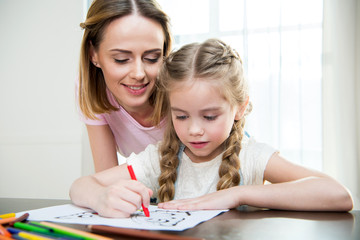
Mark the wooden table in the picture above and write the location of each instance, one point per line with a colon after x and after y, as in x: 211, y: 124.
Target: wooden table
x: 245, y: 224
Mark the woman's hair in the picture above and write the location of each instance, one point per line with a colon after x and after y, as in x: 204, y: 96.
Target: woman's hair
x: 92, y: 88
x: 212, y: 61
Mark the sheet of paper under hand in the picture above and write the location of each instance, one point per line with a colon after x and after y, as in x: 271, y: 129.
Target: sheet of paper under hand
x: 160, y: 219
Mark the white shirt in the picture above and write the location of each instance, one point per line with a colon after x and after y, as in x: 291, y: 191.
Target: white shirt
x: 197, y: 179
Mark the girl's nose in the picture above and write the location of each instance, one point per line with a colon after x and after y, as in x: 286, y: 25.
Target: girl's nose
x: 196, y: 128
x: 137, y: 71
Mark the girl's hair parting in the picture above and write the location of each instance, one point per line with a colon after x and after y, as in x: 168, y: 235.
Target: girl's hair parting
x: 92, y: 88
x: 214, y: 61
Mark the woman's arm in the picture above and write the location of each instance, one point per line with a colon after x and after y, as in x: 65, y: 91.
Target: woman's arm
x: 110, y: 193
x: 293, y: 188
x: 103, y: 147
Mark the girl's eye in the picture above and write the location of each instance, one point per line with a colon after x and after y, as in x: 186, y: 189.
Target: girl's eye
x: 121, y: 60
x: 210, y: 118
x: 182, y: 117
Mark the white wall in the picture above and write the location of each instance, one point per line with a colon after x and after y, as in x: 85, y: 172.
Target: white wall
x: 40, y: 134
x: 341, y: 101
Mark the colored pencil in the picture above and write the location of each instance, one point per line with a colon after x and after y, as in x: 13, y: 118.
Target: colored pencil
x: 26, y: 235
x: 31, y: 236
x: 83, y: 233
x: 5, y: 238
x: 7, y: 215
x: 7, y: 220
x: 133, y: 177
x: 61, y: 232
x: 4, y: 232
x: 139, y: 234
x: 11, y: 220
x: 39, y: 230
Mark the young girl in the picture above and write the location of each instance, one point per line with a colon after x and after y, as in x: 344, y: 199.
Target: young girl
x: 122, y: 50
x: 206, y: 161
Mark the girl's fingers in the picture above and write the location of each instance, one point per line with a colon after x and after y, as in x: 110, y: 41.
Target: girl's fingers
x: 187, y: 204
x: 123, y: 199
x: 142, y: 191
x: 222, y: 199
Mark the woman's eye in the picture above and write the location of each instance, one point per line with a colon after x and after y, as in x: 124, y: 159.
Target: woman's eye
x: 152, y: 60
x: 121, y: 60
x: 210, y: 118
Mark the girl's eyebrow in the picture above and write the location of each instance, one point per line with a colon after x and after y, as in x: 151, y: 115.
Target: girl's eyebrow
x: 210, y: 109
x: 202, y: 110
x: 177, y: 109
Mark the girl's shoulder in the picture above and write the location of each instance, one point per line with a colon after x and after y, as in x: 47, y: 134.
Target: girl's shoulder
x: 254, y: 157
x: 249, y: 145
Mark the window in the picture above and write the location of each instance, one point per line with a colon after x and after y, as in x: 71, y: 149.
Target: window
x: 280, y: 42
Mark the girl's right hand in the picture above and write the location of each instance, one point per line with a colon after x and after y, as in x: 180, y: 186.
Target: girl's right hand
x: 121, y: 199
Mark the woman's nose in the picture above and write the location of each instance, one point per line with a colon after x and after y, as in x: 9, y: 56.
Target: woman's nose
x: 137, y: 71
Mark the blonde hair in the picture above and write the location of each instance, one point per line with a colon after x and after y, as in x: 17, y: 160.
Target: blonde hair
x: 92, y: 88
x: 213, y: 61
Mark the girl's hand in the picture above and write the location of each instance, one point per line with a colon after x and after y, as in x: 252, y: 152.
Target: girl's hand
x: 224, y: 199
x: 121, y: 199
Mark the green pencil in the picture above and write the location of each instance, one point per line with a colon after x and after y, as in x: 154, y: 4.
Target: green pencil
x: 62, y: 232
x: 35, y: 229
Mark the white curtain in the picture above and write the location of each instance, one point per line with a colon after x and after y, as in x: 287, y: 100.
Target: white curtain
x: 341, y: 89
x: 280, y: 42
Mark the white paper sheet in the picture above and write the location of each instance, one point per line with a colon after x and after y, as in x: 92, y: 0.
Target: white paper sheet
x: 160, y: 219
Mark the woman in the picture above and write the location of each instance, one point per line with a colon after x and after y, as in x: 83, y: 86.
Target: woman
x: 122, y: 49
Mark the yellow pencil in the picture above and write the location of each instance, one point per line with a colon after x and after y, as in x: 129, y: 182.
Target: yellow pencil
x: 30, y: 236
x: 7, y: 215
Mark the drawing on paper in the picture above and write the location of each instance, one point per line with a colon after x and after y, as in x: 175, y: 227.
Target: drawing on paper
x: 158, y: 217
x: 161, y: 217
x: 79, y: 215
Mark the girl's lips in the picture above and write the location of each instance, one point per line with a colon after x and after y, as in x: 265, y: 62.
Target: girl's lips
x: 136, y: 89
x: 198, y: 144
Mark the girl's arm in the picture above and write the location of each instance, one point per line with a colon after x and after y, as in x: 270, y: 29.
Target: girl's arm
x: 293, y: 188
x: 110, y: 193
x: 103, y: 147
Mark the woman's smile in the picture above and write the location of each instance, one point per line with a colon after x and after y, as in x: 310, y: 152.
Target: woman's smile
x: 136, y: 89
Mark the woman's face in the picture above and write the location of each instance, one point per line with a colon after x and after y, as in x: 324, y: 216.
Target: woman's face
x: 129, y: 56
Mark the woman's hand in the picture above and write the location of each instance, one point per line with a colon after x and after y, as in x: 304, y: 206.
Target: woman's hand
x: 121, y: 199
x: 224, y: 199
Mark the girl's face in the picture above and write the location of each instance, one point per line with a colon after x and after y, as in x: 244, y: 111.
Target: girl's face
x: 129, y: 56
x: 202, y: 118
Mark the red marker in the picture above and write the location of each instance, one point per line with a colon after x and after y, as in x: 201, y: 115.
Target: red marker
x: 133, y: 177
